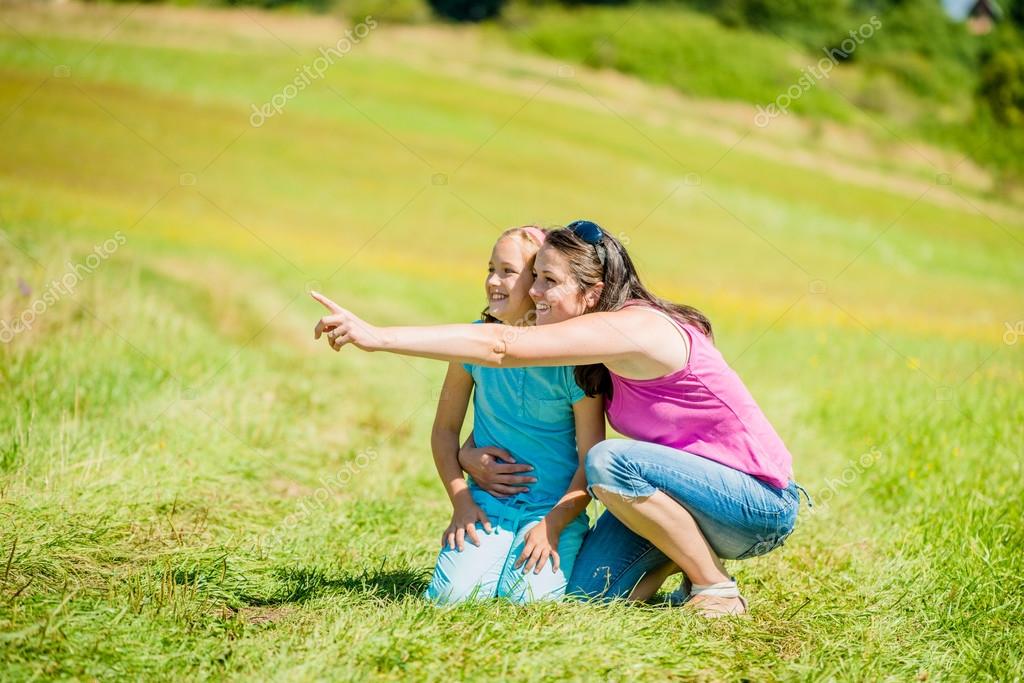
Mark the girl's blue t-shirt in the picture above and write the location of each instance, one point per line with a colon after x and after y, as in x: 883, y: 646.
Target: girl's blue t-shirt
x: 528, y: 412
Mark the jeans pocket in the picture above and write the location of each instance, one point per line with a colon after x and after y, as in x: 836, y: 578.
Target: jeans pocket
x: 768, y: 542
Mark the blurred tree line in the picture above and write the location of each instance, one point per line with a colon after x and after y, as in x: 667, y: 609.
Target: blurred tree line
x: 918, y: 46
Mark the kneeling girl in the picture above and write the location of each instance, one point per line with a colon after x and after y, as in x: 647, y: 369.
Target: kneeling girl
x: 521, y: 547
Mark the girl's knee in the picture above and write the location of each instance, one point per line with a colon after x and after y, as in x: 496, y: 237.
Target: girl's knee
x: 537, y: 588
x: 443, y: 593
x: 469, y: 574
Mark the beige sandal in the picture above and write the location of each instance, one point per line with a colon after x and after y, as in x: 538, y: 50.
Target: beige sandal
x: 714, y: 606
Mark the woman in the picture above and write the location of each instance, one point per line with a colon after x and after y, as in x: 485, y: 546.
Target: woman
x: 702, y: 477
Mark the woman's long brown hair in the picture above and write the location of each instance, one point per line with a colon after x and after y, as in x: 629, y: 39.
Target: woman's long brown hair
x: 621, y: 285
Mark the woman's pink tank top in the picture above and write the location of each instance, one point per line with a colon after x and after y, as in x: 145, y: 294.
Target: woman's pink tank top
x: 703, y: 408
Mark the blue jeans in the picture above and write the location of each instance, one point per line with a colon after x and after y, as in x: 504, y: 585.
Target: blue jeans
x: 739, y: 515
x: 488, y: 571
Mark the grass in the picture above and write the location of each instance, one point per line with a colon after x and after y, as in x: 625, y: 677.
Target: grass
x: 189, y: 487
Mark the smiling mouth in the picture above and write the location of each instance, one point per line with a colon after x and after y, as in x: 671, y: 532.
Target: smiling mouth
x: 498, y: 297
x: 543, y: 307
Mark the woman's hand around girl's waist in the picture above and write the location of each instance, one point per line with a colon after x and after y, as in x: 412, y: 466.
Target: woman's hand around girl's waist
x: 496, y: 471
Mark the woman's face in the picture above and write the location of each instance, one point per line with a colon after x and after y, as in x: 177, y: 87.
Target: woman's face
x: 555, y: 291
x: 508, y: 282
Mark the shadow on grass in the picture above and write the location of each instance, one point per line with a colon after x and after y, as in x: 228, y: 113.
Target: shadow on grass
x: 300, y: 584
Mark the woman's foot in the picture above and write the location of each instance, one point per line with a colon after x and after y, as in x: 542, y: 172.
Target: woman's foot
x: 714, y: 606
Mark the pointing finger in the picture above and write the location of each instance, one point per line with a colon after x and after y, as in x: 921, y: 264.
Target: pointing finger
x: 327, y: 303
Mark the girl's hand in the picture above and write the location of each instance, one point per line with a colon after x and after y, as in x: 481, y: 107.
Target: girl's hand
x: 343, y: 327
x: 500, y: 479
x: 464, y: 519
x: 541, y: 544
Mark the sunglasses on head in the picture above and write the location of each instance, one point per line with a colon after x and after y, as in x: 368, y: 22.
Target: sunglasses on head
x: 591, y: 233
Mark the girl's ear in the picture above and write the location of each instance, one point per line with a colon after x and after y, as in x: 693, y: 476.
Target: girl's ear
x: 593, y: 295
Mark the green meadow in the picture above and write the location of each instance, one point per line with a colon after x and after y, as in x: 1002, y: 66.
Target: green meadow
x: 190, y: 487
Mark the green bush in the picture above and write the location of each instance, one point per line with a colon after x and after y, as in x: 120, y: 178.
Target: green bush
x: 387, y: 11
x: 1001, y: 85
x: 932, y: 55
x: 467, y: 10
x: 682, y: 48
x: 811, y: 22
x: 313, y: 5
x: 1014, y: 12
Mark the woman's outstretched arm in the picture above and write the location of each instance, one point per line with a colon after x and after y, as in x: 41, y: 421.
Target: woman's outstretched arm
x: 631, y: 341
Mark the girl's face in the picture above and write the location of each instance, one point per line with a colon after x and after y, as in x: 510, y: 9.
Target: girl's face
x: 508, y: 282
x: 556, y: 291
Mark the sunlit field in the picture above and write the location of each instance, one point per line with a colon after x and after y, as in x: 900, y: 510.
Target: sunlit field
x: 190, y: 487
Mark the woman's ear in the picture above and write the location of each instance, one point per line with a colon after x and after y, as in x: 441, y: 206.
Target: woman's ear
x: 593, y: 295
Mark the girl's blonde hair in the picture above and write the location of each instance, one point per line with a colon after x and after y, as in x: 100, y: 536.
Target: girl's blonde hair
x: 529, y: 234
x: 531, y: 237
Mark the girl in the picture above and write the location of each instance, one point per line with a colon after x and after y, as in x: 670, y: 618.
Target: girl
x: 702, y: 475
x: 543, y: 418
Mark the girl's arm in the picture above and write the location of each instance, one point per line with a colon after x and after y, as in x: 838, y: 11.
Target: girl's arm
x: 542, y: 540
x: 632, y: 342
x: 444, y: 442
